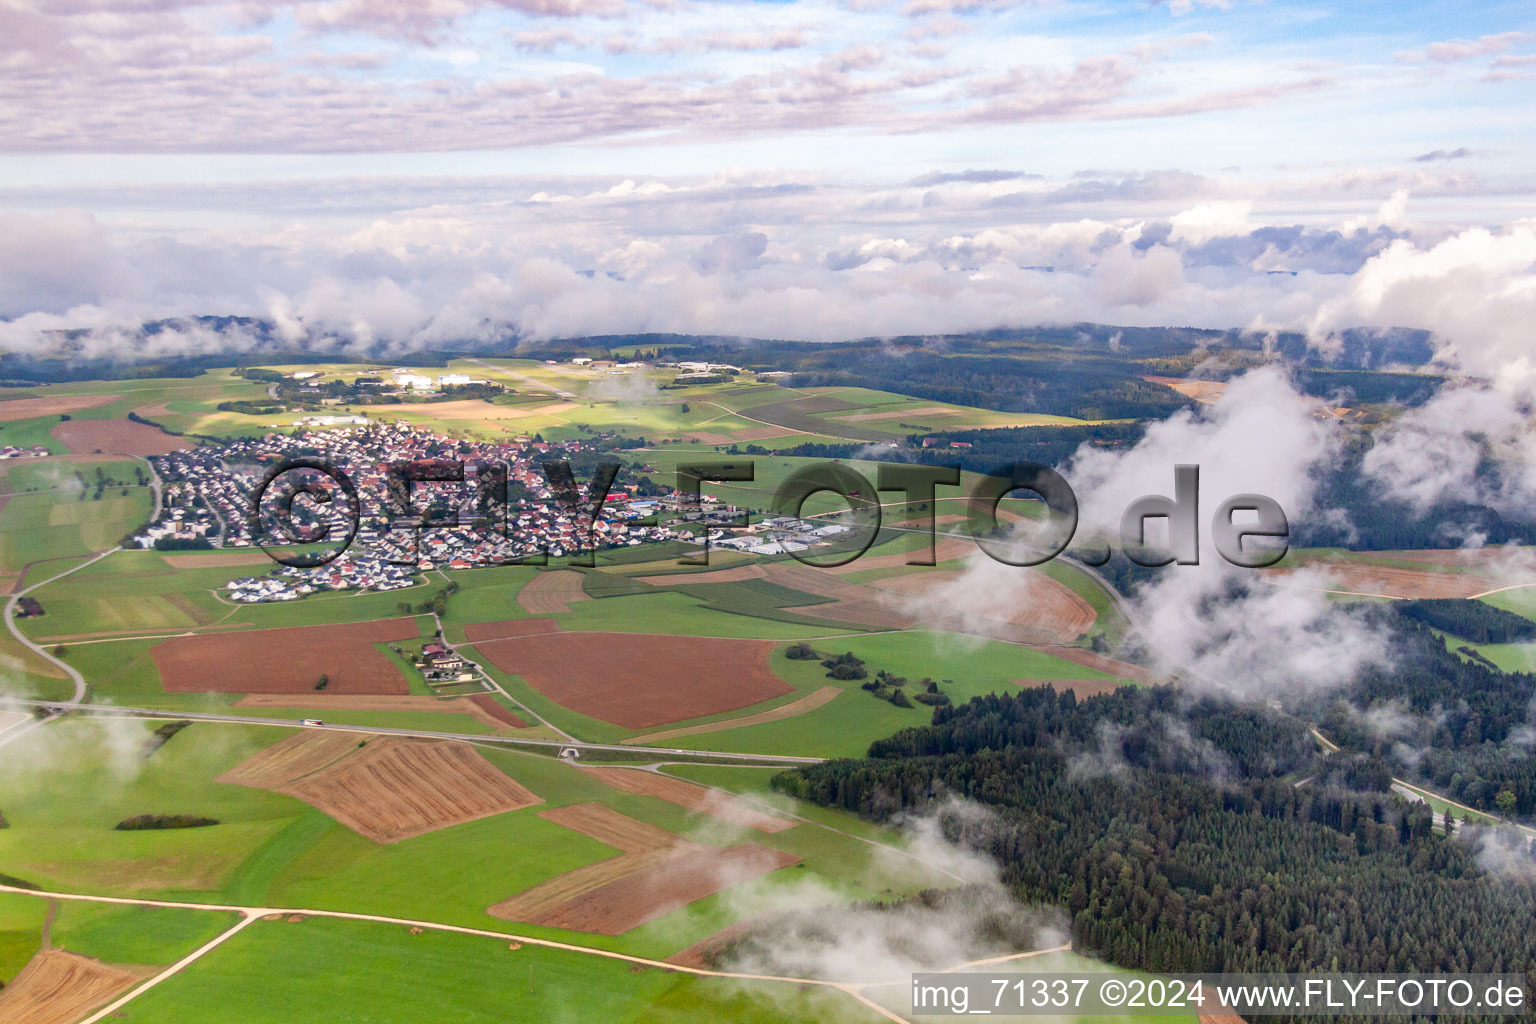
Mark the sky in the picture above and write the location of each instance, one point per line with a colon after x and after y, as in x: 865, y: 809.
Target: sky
x: 411, y: 174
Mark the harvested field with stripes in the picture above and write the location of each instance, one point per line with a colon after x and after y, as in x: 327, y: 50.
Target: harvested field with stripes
x: 552, y: 593
x: 656, y: 873
x: 57, y: 987
x: 290, y: 660
x: 1049, y: 613
x: 1387, y: 581
x: 385, y: 788
x: 688, y: 795
x: 637, y: 680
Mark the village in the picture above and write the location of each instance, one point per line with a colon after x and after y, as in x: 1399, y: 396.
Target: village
x: 207, y: 504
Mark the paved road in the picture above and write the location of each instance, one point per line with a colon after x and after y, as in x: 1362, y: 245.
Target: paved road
x: 160, y: 714
x: 10, y: 623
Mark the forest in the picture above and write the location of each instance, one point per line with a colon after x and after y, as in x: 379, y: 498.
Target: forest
x: 1168, y: 832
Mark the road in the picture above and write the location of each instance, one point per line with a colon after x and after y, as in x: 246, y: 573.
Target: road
x: 10, y: 623
x: 160, y: 714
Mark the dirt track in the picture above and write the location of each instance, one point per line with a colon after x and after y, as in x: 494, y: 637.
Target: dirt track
x: 551, y: 593
x: 289, y: 660
x: 656, y: 873
x: 57, y: 987
x: 50, y: 405
x: 638, y: 681
x: 699, y: 799
x: 391, y: 789
x: 810, y: 702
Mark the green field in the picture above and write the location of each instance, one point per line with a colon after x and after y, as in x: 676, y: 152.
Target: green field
x: 352, y: 972
x: 53, y: 512
x: 272, y: 850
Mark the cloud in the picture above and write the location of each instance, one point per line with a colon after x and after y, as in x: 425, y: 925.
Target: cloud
x: 1454, y: 50
x: 1435, y: 155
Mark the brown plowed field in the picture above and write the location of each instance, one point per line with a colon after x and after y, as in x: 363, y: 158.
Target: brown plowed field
x: 735, y: 574
x: 698, y: 955
x: 656, y: 873
x: 638, y: 681
x: 658, y: 888
x: 487, y: 712
x: 391, y: 789
x: 1104, y: 663
x: 699, y: 799
x: 1054, y: 613
x: 1408, y: 584
x: 810, y: 702
x: 820, y: 582
x: 57, y: 987
x: 498, y: 711
x: 290, y: 660
x: 117, y: 437
x: 50, y: 405
x: 551, y: 593
x: 509, y: 628
x: 1053, y: 608
x: 1084, y: 688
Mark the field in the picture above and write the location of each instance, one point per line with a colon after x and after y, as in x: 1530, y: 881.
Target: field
x: 551, y: 593
x: 53, y: 405
x: 385, y: 788
x: 286, y: 660
x: 116, y: 437
x: 1389, y: 581
x: 638, y: 681
x: 267, y: 975
x: 66, y: 508
x: 698, y: 799
x: 655, y: 874
x: 59, y: 987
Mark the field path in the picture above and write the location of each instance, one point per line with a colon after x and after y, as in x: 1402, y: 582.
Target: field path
x: 176, y: 968
x: 10, y: 622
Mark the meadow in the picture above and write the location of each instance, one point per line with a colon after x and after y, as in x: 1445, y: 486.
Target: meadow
x: 351, y: 972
